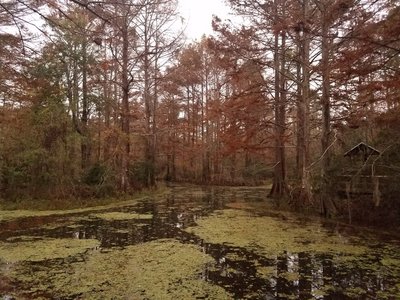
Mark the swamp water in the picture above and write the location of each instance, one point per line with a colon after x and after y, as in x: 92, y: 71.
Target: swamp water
x: 193, y: 243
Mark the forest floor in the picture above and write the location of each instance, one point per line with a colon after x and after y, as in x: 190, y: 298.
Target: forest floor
x: 190, y: 242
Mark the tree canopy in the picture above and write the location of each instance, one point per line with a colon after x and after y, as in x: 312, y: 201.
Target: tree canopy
x: 106, y: 97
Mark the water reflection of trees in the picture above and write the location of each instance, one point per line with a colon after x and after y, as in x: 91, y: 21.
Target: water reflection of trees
x: 305, y: 274
x: 295, y: 276
x: 301, y: 275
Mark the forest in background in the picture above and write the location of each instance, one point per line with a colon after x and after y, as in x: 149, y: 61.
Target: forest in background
x: 102, y: 98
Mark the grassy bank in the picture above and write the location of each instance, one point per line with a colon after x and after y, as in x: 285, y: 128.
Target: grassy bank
x: 44, y: 207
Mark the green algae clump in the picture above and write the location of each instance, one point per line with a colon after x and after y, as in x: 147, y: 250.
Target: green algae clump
x: 11, y: 213
x: 117, y: 216
x: 270, y: 236
x: 163, y: 269
x: 39, y: 250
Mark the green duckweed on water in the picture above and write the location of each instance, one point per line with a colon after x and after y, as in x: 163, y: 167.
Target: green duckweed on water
x: 277, y: 239
x: 7, y: 215
x: 43, y: 249
x: 266, y: 272
x: 11, y: 214
x: 115, y: 216
x: 164, y: 269
x: 254, y: 253
x: 270, y: 236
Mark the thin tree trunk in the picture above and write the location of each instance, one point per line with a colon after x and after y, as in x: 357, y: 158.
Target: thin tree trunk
x: 85, y: 145
x: 326, y: 105
x: 107, y: 110
x: 125, y: 108
x: 279, y: 181
x: 305, y: 104
x: 300, y: 112
x: 154, y: 118
x: 148, y: 111
x: 327, y: 204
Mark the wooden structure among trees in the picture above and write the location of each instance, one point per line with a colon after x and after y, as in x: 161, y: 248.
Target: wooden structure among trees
x: 362, y: 149
x: 361, y: 177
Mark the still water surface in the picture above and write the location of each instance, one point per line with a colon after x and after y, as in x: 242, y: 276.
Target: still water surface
x: 251, y: 252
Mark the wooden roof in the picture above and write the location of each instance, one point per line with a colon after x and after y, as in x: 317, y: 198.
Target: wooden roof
x: 362, y: 148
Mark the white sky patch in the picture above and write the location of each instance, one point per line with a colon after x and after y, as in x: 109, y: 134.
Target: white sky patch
x: 198, y: 15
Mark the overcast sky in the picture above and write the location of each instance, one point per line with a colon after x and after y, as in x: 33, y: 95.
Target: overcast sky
x: 198, y: 15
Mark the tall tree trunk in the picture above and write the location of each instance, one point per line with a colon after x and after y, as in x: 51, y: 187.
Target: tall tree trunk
x: 107, y: 110
x: 326, y: 105
x: 153, y: 144
x: 154, y: 117
x: 85, y: 145
x: 279, y: 181
x: 300, y: 111
x: 125, y: 108
x: 205, y: 156
x: 148, y: 111
x: 148, y: 104
x: 305, y: 106
x: 327, y: 205
x: 206, y: 132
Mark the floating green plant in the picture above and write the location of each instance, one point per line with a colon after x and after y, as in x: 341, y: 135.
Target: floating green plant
x: 43, y: 249
x: 270, y: 236
x: 164, y: 269
x: 115, y: 216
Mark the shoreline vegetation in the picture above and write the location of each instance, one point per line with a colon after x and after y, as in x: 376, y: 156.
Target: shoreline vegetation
x: 25, y: 208
x: 48, y: 207
x: 44, y: 204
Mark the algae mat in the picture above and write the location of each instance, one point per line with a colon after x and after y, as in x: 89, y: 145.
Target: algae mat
x: 43, y: 249
x: 120, y: 216
x: 348, y: 266
x: 7, y: 215
x: 146, y: 251
x: 164, y: 269
x: 270, y: 236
